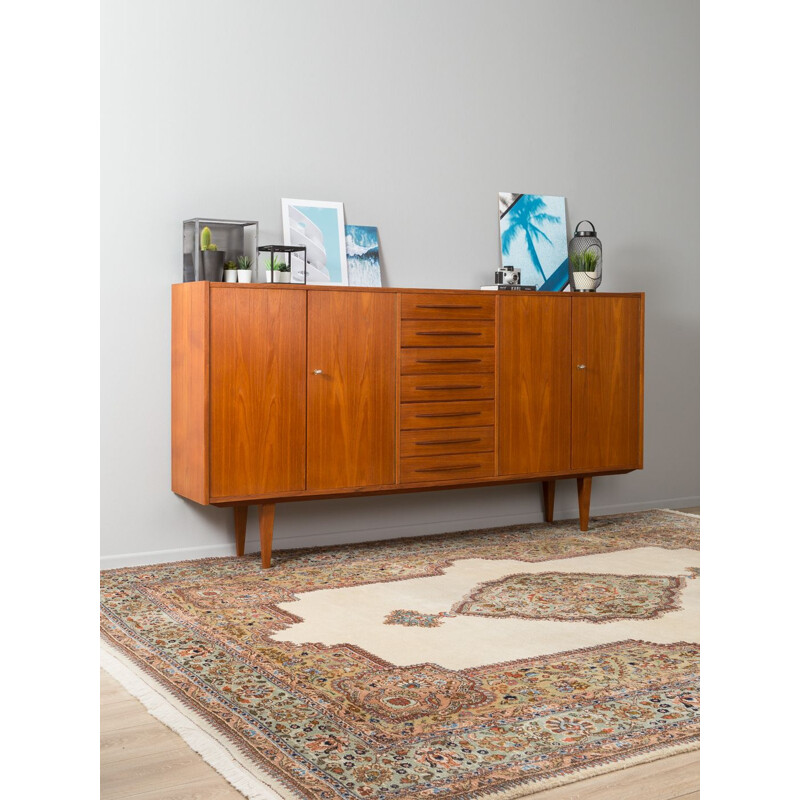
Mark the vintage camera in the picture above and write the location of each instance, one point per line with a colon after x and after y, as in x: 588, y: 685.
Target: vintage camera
x: 507, y: 276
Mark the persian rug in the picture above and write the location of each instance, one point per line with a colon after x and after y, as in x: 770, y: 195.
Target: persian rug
x: 484, y: 664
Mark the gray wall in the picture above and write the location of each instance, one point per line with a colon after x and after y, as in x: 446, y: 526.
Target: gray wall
x: 414, y: 114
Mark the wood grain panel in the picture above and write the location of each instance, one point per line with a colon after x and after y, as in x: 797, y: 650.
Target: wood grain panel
x: 606, y: 393
x: 446, y: 333
x: 351, y: 404
x: 446, y: 306
x: 157, y: 772
x: 258, y: 415
x: 453, y: 468
x: 446, y: 414
x: 441, y: 360
x: 418, y: 388
x: 190, y: 391
x: 445, y: 442
x: 534, y: 384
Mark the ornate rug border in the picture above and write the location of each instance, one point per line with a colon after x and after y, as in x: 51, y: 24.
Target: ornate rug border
x: 242, y: 774
x: 247, y: 778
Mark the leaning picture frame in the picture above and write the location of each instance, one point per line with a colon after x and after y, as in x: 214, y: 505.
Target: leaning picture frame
x: 533, y: 239
x: 363, y: 255
x: 317, y: 225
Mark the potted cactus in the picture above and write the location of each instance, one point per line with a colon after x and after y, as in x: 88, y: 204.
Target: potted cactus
x: 213, y: 259
x: 281, y: 273
x: 229, y: 272
x: 243, y: 270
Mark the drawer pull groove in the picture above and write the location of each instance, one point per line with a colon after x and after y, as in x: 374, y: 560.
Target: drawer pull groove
x: 446, y: 469
x: 453, y: 414
x: 451, y: 441
x: 442, y: 388
x: 448, y: 361
x: 447, y: 306
x: 448, y: 333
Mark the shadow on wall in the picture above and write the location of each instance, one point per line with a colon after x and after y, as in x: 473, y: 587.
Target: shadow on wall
x: 369, y: 518
x: 210, y: 522
x: 672, y: 369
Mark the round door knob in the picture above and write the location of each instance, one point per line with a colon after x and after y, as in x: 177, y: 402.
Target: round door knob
x: 318, y: 372
x: 581, y: 366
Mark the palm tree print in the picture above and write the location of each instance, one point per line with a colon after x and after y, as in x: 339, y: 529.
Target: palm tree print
x: 524, y: 217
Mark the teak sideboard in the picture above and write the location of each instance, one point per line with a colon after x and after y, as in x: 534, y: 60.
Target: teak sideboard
x: 290, y: 392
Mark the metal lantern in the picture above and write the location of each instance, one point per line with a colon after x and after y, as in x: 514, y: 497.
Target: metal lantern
x: 289, y: 273
x: 585, y: 259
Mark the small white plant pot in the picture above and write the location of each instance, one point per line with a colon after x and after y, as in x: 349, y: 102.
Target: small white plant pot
x: 281, y: 277
x: 584, y: 281
x: 230, y: 275
x: 245, y: 275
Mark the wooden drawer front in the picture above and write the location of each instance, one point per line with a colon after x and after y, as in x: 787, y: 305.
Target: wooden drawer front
x: 443, y: 414
x: 447, y: 333
x: 416, y: 388
x: 454, y: 468
x: 445, y: 442
x: 454, y: 306
x: 442, y: 360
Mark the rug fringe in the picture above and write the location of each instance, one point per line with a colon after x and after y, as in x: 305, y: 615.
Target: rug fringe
x: 205, y: 745
x: 682, y: 513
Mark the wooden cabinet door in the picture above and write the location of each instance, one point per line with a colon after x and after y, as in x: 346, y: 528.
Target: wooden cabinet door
x: 534, y: 384
x: 257, y: 391
x: 351, y: 389
x: 607, y: 373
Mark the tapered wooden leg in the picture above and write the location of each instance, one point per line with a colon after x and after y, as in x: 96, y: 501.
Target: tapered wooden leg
x: 584, y: 496
x: 266, y: 522
x: 240, y: 526
x: 549, y: 497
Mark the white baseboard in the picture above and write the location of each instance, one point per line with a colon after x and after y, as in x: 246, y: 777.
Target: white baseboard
x: 378, y: 534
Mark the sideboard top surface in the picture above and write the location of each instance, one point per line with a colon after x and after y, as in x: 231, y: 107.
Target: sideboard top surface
x: 300, y: 287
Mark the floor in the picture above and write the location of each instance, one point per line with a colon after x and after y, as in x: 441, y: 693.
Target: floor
x: 143, y: 759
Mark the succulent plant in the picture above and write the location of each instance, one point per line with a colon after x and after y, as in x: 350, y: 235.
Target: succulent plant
x: 205, y: 240
x: 244, y: 262
x: 277, y: 266
x: 230, y: 265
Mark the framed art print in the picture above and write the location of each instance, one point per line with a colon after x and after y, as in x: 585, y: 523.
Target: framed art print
x: 533, y: 238
x: 317, y: 225
x: 363, y: 263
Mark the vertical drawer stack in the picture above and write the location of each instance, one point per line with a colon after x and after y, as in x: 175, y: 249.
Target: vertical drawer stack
x: 447, y: 384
